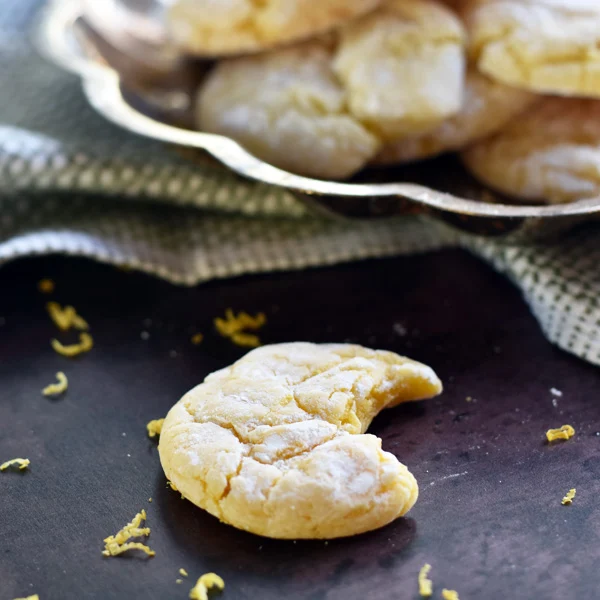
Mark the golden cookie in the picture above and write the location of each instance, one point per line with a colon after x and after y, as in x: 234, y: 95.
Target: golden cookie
x: 287, y: 108
x: 205, y: 27
x: 275, y: 443
x: 550, y: 46
x: 488, y: 107
x: 551, y: 153
x: 403, y: 66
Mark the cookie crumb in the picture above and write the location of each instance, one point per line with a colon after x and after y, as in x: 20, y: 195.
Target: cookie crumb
x: 46, y: 286
x: 22, y: 463
x: 425, y: 584
x: 34, y: 597
x: 114, y: 545
x: 149, y: 499
x: 86, y: 343
x: 204, y: 584
x: 568, y: 499
x: 566, y: 432
x: 179, y: 581
x: 450, y: 595
x: 556, y: 392
x: 57, y: 388
x: 154, y: 427
x: 183, y: 572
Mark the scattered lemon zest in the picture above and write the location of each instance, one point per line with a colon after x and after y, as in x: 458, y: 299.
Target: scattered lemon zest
x: 66, y: 318
x: 206, y: 582
x: 183, y: 572
x: 197, y: 339
x: 22, y: 462
x: 155, y: 427
x: 149, y: 499
x: 34, y: 597
x: 114, y: 549
x: 425, y: 584
x: 179, y: 581
x: 568, y: 499
x: 450, y: 595
x: 119, y: 543
x: 565, y: 432
x: 233, y: 327
x: 246, y: 340
x: 57, y: 388
x: 86, y: 343
x: 172, y: 486
x: 46, y: 286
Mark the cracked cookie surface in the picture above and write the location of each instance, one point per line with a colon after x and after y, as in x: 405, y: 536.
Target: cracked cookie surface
x: 550, y: 46
x: 275, y: 443
x: 205, y: 27
x: 551, y: 153
x: 488, y: 106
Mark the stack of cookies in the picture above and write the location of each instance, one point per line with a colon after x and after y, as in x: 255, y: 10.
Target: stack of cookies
x: 325, y: 88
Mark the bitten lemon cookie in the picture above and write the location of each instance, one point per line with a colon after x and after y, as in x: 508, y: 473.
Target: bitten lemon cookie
x: 488, y: 107
x: 551, y: 153
x: 403, y: 66
x: 287, y: 108
x: 206, y: 27
x: 275, y: 443
x: 550, y: 46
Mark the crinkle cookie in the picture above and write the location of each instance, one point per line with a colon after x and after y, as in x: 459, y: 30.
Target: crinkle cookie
x: 206, y: 27
x: 287, y: 108
x: 403, y: 66
x: 323, y: 108
x: 488, y: 107
x: 550, y: 46
x: 551, y: 153
x: 275, y: 443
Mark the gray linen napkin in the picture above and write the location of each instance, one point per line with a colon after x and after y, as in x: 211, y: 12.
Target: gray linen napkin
x: 72, y: 183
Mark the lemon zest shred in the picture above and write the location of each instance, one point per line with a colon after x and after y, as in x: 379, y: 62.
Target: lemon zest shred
x: 23, y: 463
x: 46, y: 286
x: 154, y: 427
x: 66, y: 318
x: 115, y: 549
x: 57, y: 388
x: 119, y: 543
x: 568, y: 499
x: 565, y: 432
x: 197, y: 339
x: 425, y: 584
x: 206, y: 582
x: 179, y: 581
x: 233, y: 327
x: 450, y: 595
x: 86, y: 343
x: 34, y: 597
x: 172, y: 486
x: 183, y: 572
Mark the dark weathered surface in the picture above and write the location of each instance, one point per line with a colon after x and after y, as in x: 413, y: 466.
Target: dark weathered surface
x: 489, y: 517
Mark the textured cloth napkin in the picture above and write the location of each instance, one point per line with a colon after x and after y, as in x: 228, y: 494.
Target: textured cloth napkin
x: 72, y: 183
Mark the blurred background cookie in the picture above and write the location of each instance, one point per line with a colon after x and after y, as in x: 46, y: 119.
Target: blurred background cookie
x: 549, y: 46
x: 209, y: 28
x: 551, y: 153
x: 323, y: 108
x: 488, y: 106
x: 403, y: 66
x: 287, y: 108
